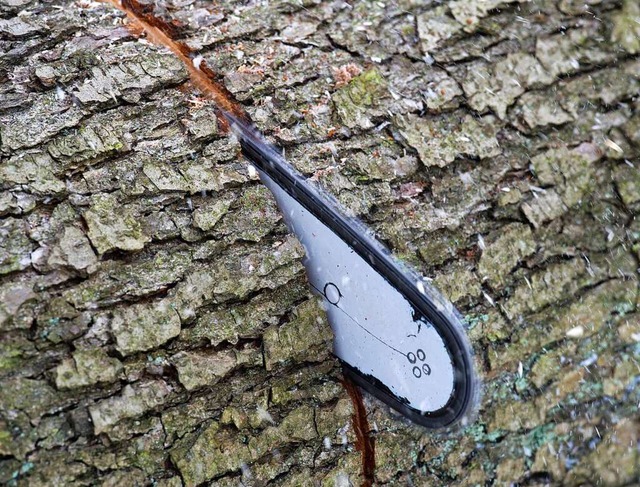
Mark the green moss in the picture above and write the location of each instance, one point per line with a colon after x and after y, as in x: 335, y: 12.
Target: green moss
x: 15, y: 245
x: 12, y: 350
x: 307, y: 334
x: 457, y: 282
x: 504, y: 251
x: 364, y: 89
x: 628, y: 183
x: 353, y: 102
x: 5, y: 438
x: 546, y: 368
x: 440, y: 246
x: 8, y: 362
x: 626, y: 29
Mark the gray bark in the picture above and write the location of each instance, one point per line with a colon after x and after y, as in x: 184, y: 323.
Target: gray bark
x: 155, y: 322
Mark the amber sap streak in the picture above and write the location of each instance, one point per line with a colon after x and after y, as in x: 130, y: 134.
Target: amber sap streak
x: 365, y: 443
x: 161, y: 33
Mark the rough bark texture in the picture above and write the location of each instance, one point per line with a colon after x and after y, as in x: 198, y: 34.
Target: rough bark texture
x: 156, y: 326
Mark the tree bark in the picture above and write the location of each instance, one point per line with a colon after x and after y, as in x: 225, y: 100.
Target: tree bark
x: 156, y: 325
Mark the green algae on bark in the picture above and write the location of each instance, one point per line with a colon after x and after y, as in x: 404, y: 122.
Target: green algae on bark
x: 147, y: 279
x: 359, y: 101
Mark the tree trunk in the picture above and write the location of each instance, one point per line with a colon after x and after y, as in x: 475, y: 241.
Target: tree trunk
x: 156, y: 325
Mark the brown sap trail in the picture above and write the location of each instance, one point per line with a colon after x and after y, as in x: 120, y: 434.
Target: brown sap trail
x: 162, y: 33
x: 365, y: 443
